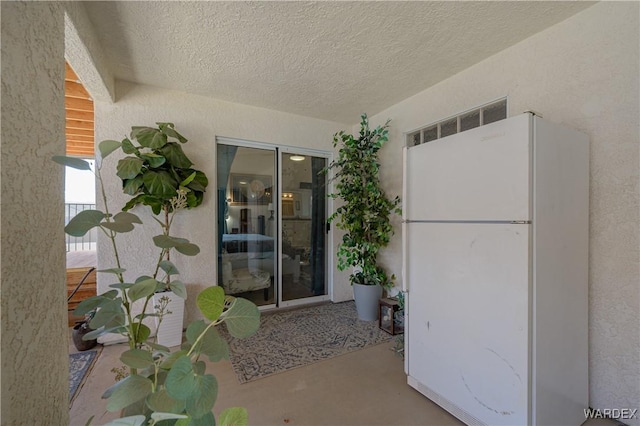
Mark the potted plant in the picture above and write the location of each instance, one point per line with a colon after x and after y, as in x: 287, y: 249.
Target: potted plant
x: 157, y: 173
x: 79, y: 330
x: 160, y: 384
x: 364, y: 214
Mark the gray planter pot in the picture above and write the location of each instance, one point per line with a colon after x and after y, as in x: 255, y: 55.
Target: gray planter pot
x: 367, y: 298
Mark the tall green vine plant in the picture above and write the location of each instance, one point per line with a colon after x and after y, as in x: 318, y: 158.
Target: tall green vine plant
x: 165, y: 386
x: 366, y: 210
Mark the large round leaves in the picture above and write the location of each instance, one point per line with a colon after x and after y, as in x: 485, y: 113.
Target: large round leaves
x: 210, y: 301
x: 242, y: 318
x: 199, y: 391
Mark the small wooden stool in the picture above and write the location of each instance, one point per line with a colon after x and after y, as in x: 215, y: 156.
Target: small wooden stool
x: 387, y: 309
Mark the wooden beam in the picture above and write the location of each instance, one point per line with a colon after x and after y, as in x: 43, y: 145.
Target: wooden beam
x: 71, y: 136
x: 69, y: 73
x: 79, y: 132
x: 78, y: 104
x: 81, y: 150
x: 80, y: 115
x: 76, y: 141
x: 77, y: 124
x: 75, y: 90
x: 80, y: 154
x: 85, y: 149
x: 84, y: 146
x: 80, y: 144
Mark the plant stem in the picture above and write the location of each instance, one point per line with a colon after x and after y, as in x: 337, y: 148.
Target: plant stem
x: 112, y: 235
x: 200, y: 337
x: 137, y: 334
x: 162, y: 253
x: 166, y: 228
x: 168, y: 222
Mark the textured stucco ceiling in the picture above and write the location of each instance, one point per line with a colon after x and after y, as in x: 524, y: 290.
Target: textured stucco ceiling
x: 330, y: 60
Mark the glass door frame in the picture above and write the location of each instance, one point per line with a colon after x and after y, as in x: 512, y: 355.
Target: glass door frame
x: 280, y: 151
x: 286, y: 150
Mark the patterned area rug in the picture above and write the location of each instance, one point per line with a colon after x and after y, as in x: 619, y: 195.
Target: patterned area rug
x: 79, y: 365
x: 300, y: 337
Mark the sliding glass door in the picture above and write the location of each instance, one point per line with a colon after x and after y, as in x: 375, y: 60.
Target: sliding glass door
x: 303, y: 235
x: 272, y: 211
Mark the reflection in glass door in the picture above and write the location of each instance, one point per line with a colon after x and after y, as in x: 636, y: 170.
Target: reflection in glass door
x: 303, y: 236
x: 247, y: 247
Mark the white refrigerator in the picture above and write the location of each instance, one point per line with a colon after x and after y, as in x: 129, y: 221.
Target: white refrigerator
x: 495, y: 234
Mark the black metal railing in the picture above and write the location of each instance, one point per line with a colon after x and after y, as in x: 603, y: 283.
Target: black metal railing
x: 88, y: 241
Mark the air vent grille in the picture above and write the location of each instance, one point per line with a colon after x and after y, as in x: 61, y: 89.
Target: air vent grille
x: 468, y: 120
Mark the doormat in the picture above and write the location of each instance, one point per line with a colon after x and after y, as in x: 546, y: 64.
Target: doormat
x: 80, y: 365
x: 291, y: 339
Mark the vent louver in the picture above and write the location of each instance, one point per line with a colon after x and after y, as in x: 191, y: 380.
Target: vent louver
x: 471, y: 119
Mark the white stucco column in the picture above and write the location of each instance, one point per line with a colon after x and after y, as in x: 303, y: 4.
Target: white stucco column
x: 34, y: 341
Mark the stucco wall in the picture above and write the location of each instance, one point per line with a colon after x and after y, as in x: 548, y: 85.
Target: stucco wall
x: 34, y: 343
x: 584, y: 73
x: 199, y: 119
